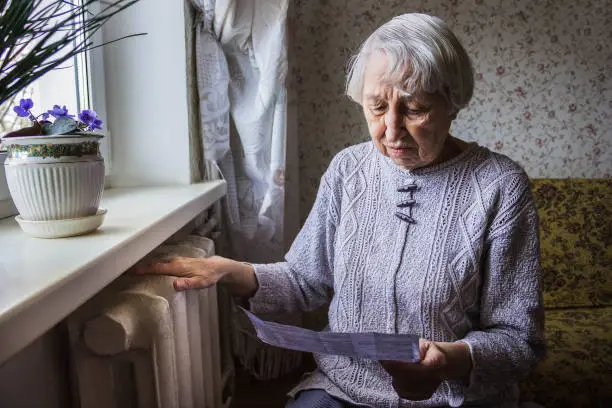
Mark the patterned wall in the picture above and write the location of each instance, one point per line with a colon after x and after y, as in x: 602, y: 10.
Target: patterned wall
x: 543, y: 80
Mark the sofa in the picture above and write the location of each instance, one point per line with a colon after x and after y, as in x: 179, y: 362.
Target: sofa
x: 576, y: 265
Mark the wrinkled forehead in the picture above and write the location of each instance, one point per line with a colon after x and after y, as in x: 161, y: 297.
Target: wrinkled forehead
x: 382, y: 74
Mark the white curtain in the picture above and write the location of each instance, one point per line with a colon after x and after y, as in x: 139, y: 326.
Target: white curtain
x: 242, y: 66
x: 241, y: 56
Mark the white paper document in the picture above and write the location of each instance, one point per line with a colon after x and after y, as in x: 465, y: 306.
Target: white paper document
x: 374, y: 346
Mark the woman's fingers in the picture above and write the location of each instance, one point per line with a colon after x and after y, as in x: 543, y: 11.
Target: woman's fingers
x: 410, y: 380
x: 177, y: 266
x: 417, y: 381
x: 196, y: 282
x: 392, y: 366
x: 139, y: 268
x: 181, y: 284
x: 174, y: 267
x: 414, y: 388
x: 192, y: 273
x: 403, y: 369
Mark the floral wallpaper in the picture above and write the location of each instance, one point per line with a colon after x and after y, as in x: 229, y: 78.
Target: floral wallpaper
x: 543, y: 80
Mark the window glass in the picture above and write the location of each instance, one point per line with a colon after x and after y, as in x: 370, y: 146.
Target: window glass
x: 57, y: 87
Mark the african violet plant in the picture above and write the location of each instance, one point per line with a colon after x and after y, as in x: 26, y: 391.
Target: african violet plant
x: 38, y: 36
x: 63, y: 123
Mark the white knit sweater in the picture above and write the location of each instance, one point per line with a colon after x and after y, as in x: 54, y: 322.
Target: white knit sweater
x: 459, y: 262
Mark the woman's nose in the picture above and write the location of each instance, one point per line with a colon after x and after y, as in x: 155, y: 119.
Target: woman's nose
x: 394, y: 125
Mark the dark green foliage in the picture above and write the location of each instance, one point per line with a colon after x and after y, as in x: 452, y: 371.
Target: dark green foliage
x: 36, y: 37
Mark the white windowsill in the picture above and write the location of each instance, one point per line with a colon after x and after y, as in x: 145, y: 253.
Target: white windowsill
x: 42, y: 281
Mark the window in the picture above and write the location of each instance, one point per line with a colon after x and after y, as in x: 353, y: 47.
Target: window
x: 58, y: 87
x: 73, y: 84
x: 141, y: 94
x: 67, y: 85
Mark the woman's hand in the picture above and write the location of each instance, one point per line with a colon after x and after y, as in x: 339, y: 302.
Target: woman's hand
x: 200, y: 273
x: 418, y: 381
x: 439, y: 361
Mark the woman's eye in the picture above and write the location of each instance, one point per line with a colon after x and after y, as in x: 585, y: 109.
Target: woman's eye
x: 416, y: 111
x: 378, y: 109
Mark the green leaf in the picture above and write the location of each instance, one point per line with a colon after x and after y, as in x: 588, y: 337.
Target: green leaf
x: 46, y: 128
x: 37, y: 36
x: 62, y: 125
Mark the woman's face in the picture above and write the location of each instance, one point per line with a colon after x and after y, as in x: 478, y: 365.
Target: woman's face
x: 409, y: 129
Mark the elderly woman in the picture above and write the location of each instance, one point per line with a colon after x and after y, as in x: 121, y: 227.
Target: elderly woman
x: 414, y: 232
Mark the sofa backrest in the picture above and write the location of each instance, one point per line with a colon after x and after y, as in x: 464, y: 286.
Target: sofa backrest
x: 576, y: 241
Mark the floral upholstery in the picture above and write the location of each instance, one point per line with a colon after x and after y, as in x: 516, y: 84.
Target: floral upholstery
x: 578, y: 370
x: 576, y: 251
x: 576, y: 241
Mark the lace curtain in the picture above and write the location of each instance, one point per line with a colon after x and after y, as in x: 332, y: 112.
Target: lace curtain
x: 241, y: 58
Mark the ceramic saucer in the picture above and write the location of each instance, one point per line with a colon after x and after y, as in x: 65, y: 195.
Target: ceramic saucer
x: 62, y: 228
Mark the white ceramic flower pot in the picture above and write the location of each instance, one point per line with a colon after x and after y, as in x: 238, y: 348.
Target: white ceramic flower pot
x: 7, y: 208
x: 54, y: 177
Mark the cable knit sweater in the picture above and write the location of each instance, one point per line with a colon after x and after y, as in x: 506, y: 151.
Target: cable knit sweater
x: 449, y: 252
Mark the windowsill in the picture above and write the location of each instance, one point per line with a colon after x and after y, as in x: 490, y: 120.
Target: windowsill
x: 45, y: 280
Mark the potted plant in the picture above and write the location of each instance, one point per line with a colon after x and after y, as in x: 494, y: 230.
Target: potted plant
x: 54, y: 169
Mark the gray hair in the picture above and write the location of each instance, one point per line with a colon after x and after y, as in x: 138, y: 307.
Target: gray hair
x: 424, y: 56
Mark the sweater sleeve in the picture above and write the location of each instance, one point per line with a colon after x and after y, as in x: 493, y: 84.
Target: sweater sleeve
x: 305, y: 280
x: 510, y: 338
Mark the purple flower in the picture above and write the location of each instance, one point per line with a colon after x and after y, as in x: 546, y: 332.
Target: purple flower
x: 45, y: 116
x: 58, y: 112
x: 88, y: 116
x: 97, y: 124
x: 26, y: 104
x: 20, y: 112
x: 23, y: 110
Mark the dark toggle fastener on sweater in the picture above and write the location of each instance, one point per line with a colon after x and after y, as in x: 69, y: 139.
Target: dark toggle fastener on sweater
x: 407, y: 203
x: 406, y: 188
x: 405, y: 217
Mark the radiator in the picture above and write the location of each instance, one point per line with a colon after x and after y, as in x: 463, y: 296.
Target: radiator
x: 139, y: 343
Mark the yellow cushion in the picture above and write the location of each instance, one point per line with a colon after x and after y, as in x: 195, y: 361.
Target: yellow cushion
x: 576, y: 240
x: 578, y: 370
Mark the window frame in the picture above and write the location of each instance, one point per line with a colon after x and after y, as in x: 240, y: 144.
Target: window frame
x: 142, y: 95
x: 90, y: 93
